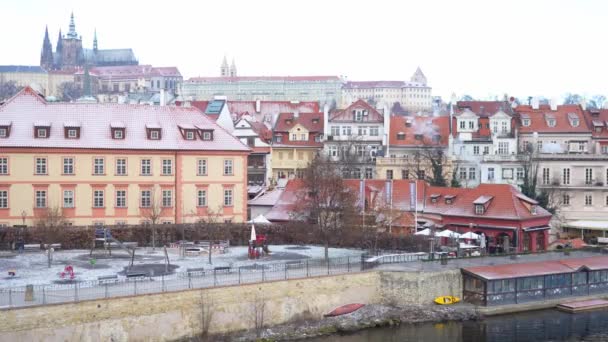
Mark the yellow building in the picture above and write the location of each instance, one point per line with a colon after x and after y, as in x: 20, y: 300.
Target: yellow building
x: 297, y: 139
x: 25, y: 75
x: 117, y: 164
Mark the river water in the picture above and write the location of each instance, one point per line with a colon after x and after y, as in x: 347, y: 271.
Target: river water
x: 544, y: 325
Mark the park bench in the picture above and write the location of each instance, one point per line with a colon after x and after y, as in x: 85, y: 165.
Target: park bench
x: 221, y: 269
x: 109, y: 279
x: 195, y: 271
x: 32, y: 247
x: 136, y: 274
x: 54, y: 246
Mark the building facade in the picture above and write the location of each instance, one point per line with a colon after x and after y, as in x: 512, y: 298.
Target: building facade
x: 412, y: 96
x: 326, y: 89
x: 116, y: 164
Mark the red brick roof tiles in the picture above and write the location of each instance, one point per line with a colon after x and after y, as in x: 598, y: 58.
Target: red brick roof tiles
x: 539, y: 117
x: 427, y: 127
x: 346, y: 115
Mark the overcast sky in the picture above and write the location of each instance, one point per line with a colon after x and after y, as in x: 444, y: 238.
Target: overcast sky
x: 468, y: 47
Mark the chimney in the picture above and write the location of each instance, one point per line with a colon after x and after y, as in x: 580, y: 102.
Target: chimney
x: 162, y: 97
x: 296, y: 114
x: 258, y: 105
x: 535, y: 102
x: 553, y: 103
x: 584, y: 103
x: 326, y: 120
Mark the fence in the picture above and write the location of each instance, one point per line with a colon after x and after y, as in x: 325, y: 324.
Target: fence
x: 31, y: 295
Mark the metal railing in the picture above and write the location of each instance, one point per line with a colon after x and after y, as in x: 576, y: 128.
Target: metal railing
x: 109, y: 287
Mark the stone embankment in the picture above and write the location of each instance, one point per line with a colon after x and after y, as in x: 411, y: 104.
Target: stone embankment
x: 369, y: 316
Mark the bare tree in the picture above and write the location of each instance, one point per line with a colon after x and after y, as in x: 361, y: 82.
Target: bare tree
x: 325, y: 200
x: 258, y: 308
x: 69, y: 91
x: 529, y: 161
x: 8, y: 89
x: 49, y: 222
x: 153, y: 213
x: 207, y: 309
x: 211, y: 224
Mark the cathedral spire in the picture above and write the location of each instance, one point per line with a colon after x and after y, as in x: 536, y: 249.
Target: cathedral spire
x: 225, y: 70
x: 72, y: 33
x: 95, y: 41
x: 233, y: 69
x: 46, y: 57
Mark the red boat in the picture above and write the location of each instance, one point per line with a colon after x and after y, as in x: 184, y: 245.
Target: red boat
x: 345, y: 309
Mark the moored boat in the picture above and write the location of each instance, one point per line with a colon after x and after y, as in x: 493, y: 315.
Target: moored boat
x: 447, y: 300
x: 344, y: 309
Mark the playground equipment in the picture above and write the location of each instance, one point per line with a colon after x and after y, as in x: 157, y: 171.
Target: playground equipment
x: 104, y: 240
x: 68, y: 271
x: 258, y: 245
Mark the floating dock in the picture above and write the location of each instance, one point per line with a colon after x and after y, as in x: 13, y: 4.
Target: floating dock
x: 586, y: 305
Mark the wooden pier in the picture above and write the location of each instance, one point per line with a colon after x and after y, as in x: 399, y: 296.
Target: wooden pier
x: 586, y: 305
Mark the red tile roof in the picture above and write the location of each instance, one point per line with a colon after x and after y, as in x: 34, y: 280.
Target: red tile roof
x: 286, y: 121
x: 598, y: 118
x: 27, y: 107
x: 538, y: 119
x: 483, y: 108
x: 539, y: 268
x: 425, y: 126
x: 346, y: 115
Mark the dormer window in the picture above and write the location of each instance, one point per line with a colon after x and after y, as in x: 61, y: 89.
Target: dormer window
x: 533, y: 209
x: 207, y: 134
x: 481, y: 203
x: 153, y: 131
x: 550, y: 120
x: 435, y: 198
x: 189, y: 135
x: 358, y: 115
x: 573, y: 118
x: 315, y: 121
x: 400, y: 136
x: 418, y: 136
x: 117, y: 129
x: 288, y: 121
x: 5, y: 129
x: 42, y: 130
x: 525, y: 122
x: 408, y: 123
x: 479, y: 209
x: 449, y: 199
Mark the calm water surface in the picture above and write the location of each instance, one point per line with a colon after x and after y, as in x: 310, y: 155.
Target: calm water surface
x: 545, y: 325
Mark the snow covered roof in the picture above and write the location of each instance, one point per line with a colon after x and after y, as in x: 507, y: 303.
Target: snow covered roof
x: 25, y: 109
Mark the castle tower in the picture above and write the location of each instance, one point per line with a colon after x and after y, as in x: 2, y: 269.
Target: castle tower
x: 72, y: 33
x: 233, y: 69
x: 419, y: 77
x: 59, y: 51
x: 224, y: 70
x: 46, y: 57
x: 72, y: 54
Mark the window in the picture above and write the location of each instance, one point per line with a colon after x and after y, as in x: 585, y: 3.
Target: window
x: 503, y: 147
x: 294, y: 137
x: 486, y: 150
x: 167, y: 167
x: 189, y: 135
x: 72, y: 134
x: 98, y: 201
x: 389, y: 174
x: 479, y: 209
x: 154, y: 134
x: 539, y: 146
x: 566, y: 176
x: 421, y: 174
x: 207, y: 136
x: 373, y: 131
x: 588, y: 200
x: 41, y: 133
x: 405, y: 174
x: 68, y: 166
x: 463, y: 173
x: 227, y: 197
x: 471, y: 125
x: 98, y: 166
x: 3, y: 166
x: 546, y: 175
x: 462, y: 124
x: 278, y: 138
x: 362, y: 130
x: 4, y: 199
x: 588, y: 176
x: 335, y: 130
x: 368, y: 173
x: 520, y: 173
x: 490, y: 173
x: 333, y: 151
x: 472, y: 173
x: 606, y: 201
x: 201, y: 167
x: 3, y: 132
x: 476, y: 150
x: 121, y: 166
x: 41, y: 166
x: 503, y: 127
x: 167, y: 198
x: 495, y: 127
x: 346, y: 130
x: 551, y: 122
x: 227, y: 167
x: 146, y: 199
x: 303, y: 136
x: 400, y: 136
x: 356, y: 173
x: 358, y: 115
x: 566, y: 199
x: 526, y: 122
x: 40, y: 198
x: 507, y: 173
x: 146, y: 167
x: 121, y: 198
x: 68, y: 198
x: 118, y: 134
x: 604, y: 149
x: 201, y: 197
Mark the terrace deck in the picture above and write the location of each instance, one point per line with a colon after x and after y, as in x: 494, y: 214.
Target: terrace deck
x: 586, y: 305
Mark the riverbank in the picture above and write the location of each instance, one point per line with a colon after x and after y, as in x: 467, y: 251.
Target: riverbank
x: 370, y: 316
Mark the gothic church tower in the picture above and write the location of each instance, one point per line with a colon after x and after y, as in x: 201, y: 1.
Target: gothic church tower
x: 46, y: 57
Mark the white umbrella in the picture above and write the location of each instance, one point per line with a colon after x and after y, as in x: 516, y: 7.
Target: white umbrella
x: 253, y: 237
x: 447, y: 233
x: 482, y: 241
x: 469, y: 236
x: 423, y: 232
x: 260, y: 219
x: 467, y: 246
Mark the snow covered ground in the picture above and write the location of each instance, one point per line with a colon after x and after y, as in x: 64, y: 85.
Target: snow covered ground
x: 32, y: 267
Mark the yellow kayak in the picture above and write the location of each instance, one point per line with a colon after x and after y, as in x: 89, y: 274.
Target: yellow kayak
x: 446, y: 300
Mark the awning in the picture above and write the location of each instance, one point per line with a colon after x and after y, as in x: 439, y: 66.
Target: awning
x: 533, y: 229
x: 423, y: 232
x: 585, y: 224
